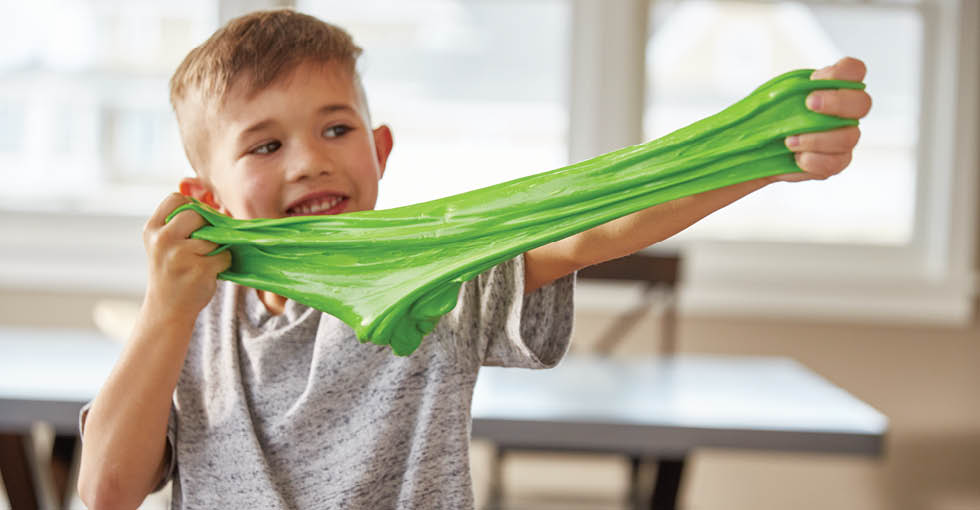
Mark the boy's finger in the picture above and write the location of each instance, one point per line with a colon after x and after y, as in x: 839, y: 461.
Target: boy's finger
x: 847, y: 103
x: 202, y: 247
x: 159, y: 217
x: 822, y: 166
x: 220, y: 261
x: 834, y: 141
x: 847, y: 68
x: 185, y: 223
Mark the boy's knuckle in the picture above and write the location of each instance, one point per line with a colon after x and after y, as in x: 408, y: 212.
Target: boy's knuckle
x: 171, y: 258
x: 152, y: 239
x: 194, y: 272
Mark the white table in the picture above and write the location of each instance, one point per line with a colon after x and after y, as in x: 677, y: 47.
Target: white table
x: 663, y: 408
x: 46, y: 375
x: 657, y: 408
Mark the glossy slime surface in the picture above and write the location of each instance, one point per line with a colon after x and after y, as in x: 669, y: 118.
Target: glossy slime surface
x: 392, y: 274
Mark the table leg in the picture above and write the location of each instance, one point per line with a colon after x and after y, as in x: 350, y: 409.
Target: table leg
x: 496, y: 494
x: 635, y: 494
x: 62, y: 462
x: 668, y: 483
x: 16, y: 469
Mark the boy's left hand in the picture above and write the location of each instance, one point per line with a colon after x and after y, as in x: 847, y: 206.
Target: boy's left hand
x: 825, y: 153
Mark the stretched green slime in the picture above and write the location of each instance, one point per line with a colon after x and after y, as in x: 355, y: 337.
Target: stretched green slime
x: 392, y: 274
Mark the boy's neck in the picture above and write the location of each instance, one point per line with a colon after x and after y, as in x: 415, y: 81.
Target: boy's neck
x: 274, y: 303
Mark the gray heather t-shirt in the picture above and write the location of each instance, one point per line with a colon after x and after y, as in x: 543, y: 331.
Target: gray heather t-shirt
x: 290, y: 411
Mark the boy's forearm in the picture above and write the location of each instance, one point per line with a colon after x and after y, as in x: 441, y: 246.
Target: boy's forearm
x: 628, y: 234
x: 126, y: 427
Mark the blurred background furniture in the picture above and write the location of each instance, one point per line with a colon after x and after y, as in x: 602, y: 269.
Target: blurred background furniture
x: 46, y: 376
x: 666, y: 407
x: 659, y: 275
x: 660, y: 408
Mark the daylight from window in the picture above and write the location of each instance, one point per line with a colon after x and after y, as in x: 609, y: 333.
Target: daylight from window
x: 476, y: 93
x: 704, y: 55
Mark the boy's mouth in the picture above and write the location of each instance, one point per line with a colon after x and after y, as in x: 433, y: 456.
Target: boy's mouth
x: 320, y: 203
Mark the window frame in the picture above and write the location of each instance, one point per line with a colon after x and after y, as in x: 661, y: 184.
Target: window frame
x: 931, y: 280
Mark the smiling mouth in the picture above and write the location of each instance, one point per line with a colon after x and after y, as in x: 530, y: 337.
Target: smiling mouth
x: 325, y: 204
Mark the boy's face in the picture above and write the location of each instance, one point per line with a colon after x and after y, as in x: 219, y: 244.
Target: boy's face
x: 300, y: 146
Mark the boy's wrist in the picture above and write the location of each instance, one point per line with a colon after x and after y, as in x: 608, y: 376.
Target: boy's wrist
x: 166, y: 313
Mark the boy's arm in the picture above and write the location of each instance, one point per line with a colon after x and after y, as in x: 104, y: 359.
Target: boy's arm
x: 819, y: 155
x: 125, y: 431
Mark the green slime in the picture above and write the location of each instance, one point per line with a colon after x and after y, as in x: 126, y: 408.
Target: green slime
x: 392, y: 274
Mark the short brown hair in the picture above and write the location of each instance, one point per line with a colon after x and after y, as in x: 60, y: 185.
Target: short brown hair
x: 261, y: 46
x: 258, y: 47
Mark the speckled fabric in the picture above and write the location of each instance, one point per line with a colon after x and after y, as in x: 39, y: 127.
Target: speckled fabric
x: 291, y: 411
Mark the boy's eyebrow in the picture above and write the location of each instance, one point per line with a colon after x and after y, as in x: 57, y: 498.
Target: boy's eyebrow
x: 259, y: 126
x: 330, y: 108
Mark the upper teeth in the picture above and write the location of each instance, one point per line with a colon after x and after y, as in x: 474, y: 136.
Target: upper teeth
x: 317, y: 206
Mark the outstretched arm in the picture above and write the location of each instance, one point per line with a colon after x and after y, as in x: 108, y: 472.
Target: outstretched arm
x: 820, y: 155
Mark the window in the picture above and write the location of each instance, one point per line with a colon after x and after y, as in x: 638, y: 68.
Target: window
x: 898, y: 250
x: 482, y: 91
x: 473, y: 90
x: 705, y: 55
x: 892, y: 238
x: 84, y: 111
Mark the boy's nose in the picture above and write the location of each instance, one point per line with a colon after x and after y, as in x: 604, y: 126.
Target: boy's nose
x: 303, y: 171
x: 309, y: 163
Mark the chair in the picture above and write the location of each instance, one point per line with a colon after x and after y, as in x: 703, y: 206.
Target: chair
x: 659, y: 274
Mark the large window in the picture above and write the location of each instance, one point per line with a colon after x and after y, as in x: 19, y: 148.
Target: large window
x: 704, y: 55
x: 482, y: 91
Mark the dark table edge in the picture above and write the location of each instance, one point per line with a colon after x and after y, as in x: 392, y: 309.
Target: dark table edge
x: 669, y: 441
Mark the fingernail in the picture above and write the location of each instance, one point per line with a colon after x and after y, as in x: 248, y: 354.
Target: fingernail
x: 793, y: 141
x: 814, y: 102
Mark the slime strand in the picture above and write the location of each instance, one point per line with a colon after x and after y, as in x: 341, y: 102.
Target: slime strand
x: 392, y: 274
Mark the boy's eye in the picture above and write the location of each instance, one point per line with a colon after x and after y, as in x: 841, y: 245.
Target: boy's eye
x: 267, y: 148
x: 336, y: 131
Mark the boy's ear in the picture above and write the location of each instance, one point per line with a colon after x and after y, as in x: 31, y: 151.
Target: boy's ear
x: 383, y: 142
x: 194, y: 187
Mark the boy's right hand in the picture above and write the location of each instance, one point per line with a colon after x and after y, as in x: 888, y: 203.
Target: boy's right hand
x: 182, y: 276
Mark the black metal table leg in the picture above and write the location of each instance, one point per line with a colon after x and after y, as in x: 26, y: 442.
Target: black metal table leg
x: 63, y: 450
x: 668, y: 484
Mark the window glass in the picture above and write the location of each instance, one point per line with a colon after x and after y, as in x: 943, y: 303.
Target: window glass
x: 474, y: 91
x: 85, y: 121
x: 704, y: 55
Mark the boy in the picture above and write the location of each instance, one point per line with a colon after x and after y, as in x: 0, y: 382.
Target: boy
x: 247, y: 400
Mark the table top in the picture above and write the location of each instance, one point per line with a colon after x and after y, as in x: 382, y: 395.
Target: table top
x: 49, y: 374
x: 669, y: 405
x: 651, y: 405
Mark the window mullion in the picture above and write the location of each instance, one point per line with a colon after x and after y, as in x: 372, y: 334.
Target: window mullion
x: 607, y: 76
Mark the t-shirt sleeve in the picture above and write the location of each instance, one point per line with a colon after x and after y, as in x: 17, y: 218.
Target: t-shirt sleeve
x: 171, y: 459
x: 494, y: 323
